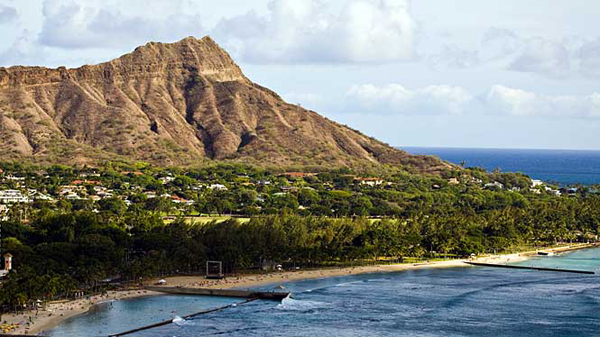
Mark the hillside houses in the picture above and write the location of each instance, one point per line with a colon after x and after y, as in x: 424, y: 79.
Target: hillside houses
x: 4, y: 213
x: 13, y: 196
x: 369, y: 181
x: 494, y: 185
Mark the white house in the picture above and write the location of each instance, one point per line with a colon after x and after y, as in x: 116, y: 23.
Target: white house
x: 3, y: 213
x: 495, y: 184
x: 218, y: 187
x: 369, y: 181
x: 13, y: 196
x: 536, y: 183
x: 37, y: 195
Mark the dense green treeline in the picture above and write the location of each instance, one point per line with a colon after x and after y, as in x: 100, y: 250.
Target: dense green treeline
x: 59, y: 253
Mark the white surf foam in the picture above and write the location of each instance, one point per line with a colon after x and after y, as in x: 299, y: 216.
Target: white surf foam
x: 292, y: 304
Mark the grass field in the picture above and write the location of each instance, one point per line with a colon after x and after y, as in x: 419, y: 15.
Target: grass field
x: 200, y: 220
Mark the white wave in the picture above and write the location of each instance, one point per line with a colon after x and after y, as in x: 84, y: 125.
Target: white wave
x: 348, y: 283
x: 331, y: 286
x: 289, y: 303
x: 178, y: 321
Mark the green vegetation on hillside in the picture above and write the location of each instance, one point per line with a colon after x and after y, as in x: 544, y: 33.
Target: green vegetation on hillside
x: 87, y: 226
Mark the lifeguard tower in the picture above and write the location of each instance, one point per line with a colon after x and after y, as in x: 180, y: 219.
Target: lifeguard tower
x: 7, y: 264
x: 214, y: 270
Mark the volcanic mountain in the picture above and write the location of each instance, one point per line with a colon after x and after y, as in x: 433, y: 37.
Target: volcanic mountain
x: 171, y: 104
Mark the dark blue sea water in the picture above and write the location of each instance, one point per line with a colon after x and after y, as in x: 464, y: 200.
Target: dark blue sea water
x: 566, y: 167
x: 464, y: 301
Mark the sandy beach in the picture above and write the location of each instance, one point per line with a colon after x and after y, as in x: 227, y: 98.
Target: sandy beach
x: 34, y: 322
x: 53, y: 313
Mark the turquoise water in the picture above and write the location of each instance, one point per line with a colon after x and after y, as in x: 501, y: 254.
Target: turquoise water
x: 585, y: 259
x: 464, y: 301
x: 118, y: 316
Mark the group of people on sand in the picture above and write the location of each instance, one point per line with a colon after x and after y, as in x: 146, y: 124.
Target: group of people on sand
x: 6, y: 328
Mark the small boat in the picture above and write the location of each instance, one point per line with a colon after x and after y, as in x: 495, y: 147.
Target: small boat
x: 546, y: 253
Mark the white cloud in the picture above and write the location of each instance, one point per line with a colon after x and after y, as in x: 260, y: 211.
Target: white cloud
x: 7, y: 14
x: 396, y: 99
x: 559, y: 58
x: 73, y: 25
x: 451, y: 100
x: 588, y: 56
x: 23, y: 50
x: 305, y: 31
x: 555, y: 58
x: 454, y: 56
x: 509, y: 101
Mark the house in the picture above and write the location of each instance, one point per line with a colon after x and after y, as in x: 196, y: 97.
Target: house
x: 453, y: 181
x: 536, y: 183
x: 4, y: 213
x: 72, y: 196
x: 264, y: 182
x: 553, y: 191
x: 178, y: 200
x: 368, y: 181
x: 86, y: 182
x: 89, y: 174
x: 13, y: 178
x: 476, y: 180
x: 218, y: 187
x: 13, y: 196
x: 36, y: 195
x: 71, y: 189
x: 166, y: 180
x: 494, y: 185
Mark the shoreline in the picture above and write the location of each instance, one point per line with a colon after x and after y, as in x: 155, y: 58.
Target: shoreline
x: 56, y: 312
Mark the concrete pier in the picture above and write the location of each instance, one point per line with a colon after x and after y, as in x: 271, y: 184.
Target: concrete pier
x: 159, y: 324
x: 263, y: 295
x: 531, y: 268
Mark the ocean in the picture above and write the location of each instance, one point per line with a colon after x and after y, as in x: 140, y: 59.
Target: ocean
x: 563, y: 167
x: 463, y: 301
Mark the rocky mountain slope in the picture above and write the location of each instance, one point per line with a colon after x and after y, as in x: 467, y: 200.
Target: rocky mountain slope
x: 171, y: 104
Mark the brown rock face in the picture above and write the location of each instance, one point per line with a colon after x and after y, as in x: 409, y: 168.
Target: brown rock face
x: 171, y: 104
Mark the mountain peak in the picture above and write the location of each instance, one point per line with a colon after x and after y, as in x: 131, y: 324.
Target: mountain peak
x: 172, y: 103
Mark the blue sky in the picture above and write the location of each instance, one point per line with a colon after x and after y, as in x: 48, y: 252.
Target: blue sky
x: 456, y: 73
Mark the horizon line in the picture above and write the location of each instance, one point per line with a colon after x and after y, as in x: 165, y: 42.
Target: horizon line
x: 492, y: 148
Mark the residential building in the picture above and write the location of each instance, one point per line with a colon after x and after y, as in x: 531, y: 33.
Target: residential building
x: 368, y: 181
x: 13, y: 196
x: 453, y: 181
x: 536, y: 183
x: 4, y: 213
x: 495, y: 184
x: 218, y: 187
